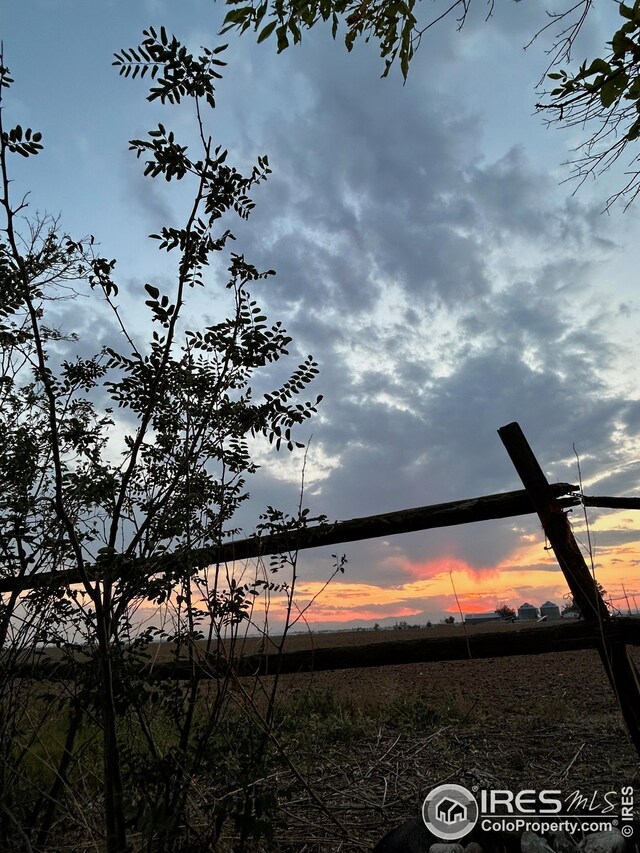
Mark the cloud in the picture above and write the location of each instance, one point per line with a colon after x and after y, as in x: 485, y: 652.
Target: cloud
x: 443, y: 281
x: 444, y: 295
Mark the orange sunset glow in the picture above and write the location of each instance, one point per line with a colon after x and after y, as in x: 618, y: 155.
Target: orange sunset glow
x: 437, y: 587
x: 530, y: 573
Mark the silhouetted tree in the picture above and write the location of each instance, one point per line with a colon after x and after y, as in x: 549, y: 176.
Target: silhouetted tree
x: 122, y: 505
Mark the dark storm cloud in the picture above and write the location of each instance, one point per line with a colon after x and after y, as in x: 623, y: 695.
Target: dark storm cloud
x: 399, y: 249
x: 149, y: 197
x: 441, y: 283
x: 316, y: 274
x: 382, y: 206
x: 493, y: 389
x: 360, y: 172
x: 509, y: 195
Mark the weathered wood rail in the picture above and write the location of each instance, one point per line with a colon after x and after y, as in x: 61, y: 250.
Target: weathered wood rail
x: 483, y: 508
x: 610, y: 636
x: 539, y: 639
x: 468, y: 511
x: 530, y: 640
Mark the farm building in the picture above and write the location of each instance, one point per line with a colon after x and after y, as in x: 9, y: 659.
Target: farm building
x: 550, y: 610
x: 527, y: 611
x: 481, y: 618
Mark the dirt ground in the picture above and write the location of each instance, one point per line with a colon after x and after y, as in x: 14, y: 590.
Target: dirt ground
x: 520, y: 722
x: 527, y: 720
x: 555, y: 687
x: 534, y: 721
x: 551, y: 688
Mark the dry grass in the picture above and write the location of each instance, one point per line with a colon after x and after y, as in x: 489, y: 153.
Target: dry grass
x: 364, y: 747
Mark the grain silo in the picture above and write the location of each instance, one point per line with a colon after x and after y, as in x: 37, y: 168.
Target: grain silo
x: 550, y: 610
x: 527, y: 611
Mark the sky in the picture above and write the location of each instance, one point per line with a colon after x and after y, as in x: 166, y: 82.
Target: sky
x: 430, y: 254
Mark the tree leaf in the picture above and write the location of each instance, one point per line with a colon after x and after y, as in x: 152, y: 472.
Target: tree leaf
x: 266, y: 32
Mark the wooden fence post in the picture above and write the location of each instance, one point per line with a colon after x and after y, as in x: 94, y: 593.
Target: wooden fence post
x: 620, y: 668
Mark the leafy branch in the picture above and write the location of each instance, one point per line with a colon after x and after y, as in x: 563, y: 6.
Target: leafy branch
x: 604, y: 93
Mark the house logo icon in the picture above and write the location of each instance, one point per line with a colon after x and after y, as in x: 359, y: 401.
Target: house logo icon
x: 450, y: 812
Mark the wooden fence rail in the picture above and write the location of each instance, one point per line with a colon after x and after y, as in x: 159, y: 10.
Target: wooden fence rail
x: 610, y: 636
x: 483, y: 508
x: 533, y: 639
